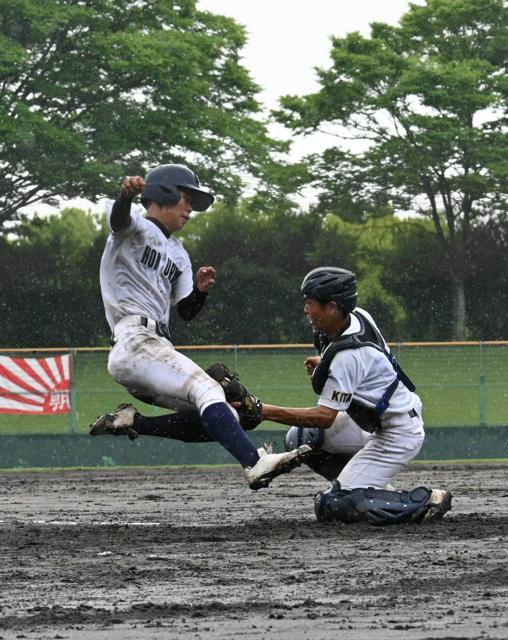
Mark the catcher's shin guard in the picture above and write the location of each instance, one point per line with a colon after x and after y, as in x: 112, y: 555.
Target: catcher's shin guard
x: 378, y: 506
x: 296, y: 436
x: 324, y: 463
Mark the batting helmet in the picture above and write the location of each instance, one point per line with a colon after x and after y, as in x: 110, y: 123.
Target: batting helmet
x: 331, y: 284
x: 164, y: 183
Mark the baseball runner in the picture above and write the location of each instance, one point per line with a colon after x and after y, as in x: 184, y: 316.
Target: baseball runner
x: 145, y: 271
x: 359, y: 384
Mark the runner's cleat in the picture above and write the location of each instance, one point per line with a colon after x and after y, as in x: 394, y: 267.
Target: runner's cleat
x: 266, y: 448
x: 118, y: 423
x: 271, y: 465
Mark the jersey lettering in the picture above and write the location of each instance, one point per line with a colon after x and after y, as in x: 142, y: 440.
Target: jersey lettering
x: 171, y: 271
x: 155, y: 271
x: 340, y: 396
x: 151, y: 257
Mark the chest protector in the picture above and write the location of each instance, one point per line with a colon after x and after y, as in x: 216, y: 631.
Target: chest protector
x: 367, y: 418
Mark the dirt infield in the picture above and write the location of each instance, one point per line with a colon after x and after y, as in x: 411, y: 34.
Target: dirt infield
x: 193, y: 553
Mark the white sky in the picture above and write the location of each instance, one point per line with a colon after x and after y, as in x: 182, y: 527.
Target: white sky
x: 287, y: 39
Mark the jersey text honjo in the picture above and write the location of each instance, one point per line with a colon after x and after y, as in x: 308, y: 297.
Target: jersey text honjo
x: 152, y: 258
x: 340, y: 396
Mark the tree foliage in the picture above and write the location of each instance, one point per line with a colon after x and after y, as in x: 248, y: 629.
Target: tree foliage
x: 261, y: 258
x: 428, y: 98
x: 92, y: 90
x: 49, y: 294
x: 49, y: 290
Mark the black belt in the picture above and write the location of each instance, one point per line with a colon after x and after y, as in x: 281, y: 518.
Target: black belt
x: 160, y: 328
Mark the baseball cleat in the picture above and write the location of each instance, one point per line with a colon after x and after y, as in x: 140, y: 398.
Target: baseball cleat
x: 266, y: 448
x: 439, y: 503
x: 118, y: 423
x: 271, y: 465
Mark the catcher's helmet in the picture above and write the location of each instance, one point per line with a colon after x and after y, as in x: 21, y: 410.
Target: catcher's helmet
x: 162, y: 185
x: 327, y: 284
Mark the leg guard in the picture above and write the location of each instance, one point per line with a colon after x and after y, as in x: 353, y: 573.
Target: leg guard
x: 376, y: 506
x: 296, y: 436
x: 326, y: 464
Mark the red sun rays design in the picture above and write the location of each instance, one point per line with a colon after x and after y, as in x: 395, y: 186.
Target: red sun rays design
x: 35, y: 385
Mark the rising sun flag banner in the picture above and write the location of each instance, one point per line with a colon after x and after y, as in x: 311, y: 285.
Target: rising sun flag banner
x: 35, y: 385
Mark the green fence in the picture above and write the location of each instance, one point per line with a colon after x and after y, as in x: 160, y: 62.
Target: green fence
x: 80, y: 450
x: 461, y: 384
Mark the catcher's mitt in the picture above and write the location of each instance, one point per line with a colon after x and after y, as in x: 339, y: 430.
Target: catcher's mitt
x: 250, y: 413
x: 234, y: 390
x: 251, y: 407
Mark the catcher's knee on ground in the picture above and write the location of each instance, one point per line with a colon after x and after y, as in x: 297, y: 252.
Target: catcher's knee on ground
x: 376, y: 506
x: 326, y: 464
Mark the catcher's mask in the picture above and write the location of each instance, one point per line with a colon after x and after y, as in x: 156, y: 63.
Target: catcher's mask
x: 331, y: 284
x: 164, y: 183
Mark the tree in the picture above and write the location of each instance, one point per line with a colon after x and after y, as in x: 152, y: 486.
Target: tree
x: 261, y: 257
x: 414, y: 267
x: 428, y: 99
x: 92, y: 90
x: 49, y: 293
x: 362, y: 248
x: 487, y: 281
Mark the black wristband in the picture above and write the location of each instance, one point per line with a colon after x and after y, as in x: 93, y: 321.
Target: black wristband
x: 191, y: 305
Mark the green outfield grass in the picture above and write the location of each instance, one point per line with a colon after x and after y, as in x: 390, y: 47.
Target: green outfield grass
x: 459, y: 385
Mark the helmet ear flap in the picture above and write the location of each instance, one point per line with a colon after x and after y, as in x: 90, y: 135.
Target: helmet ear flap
x: 347, y: 302
x: 160, y: 193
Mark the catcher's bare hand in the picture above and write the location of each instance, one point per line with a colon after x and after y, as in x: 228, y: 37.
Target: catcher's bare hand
x: 205, y: 278
x: 311, y: 363
x: 132, y: 185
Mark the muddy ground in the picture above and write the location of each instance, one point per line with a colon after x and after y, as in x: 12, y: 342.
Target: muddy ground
x: 191, y: 552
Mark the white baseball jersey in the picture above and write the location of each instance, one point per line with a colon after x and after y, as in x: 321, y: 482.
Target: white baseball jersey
x: 143, y: 271
x: 364, y: 374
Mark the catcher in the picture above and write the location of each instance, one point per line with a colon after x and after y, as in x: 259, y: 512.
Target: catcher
x: 360, y: 386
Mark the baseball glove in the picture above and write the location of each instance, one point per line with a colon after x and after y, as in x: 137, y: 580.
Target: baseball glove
x: 234, y: 390
x: 250, y: 412
x: 251, y: 407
